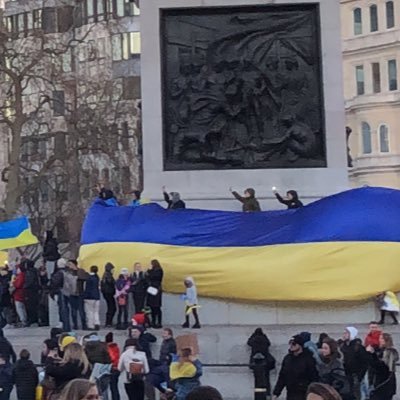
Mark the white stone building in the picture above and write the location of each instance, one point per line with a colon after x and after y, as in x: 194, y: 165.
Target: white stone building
x: 371, y: 55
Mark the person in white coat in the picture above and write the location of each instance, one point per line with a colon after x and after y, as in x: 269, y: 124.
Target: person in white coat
x: 191, y: 303
x: 134, y: 363
x: 389, y: 304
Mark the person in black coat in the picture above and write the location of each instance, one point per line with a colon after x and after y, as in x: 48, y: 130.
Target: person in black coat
x: 96, y: 350
x: 6, y: 379
x: 382, y: 364
x: 25, y: 377
x: 168, y: 347
x: 154, y: 277
x: 291, y: 201
x: 31, y: 291
x: 144, y: 339
x: 298, y: 370
x: 260, y: 344
x: 107, y: 286
x: 6, y: 306
x: 50, y: 248
x: 74, y: 365
x: 355, y: 359
x: 173, y: 200
x: 139, y: 288
x: 6, y: 349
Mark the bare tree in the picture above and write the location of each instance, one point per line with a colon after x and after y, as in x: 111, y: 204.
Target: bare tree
x: 65, y: 127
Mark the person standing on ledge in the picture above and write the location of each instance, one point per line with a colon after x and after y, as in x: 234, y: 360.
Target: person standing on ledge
x: 173, y: 200
x: 249, y: 201
x: 136, y: 201
x: 291, y: 200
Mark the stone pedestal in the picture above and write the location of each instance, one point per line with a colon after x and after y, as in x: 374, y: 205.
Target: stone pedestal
x: 209, y: 188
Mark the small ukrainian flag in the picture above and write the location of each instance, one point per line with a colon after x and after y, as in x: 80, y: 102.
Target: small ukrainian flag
x: 16, y: 233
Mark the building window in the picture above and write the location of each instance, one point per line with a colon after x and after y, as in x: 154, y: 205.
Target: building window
x: 366, y: 138
x: 376, y: 77
x: 37, y: 19
x: 384, y: 139
x: 373, y: 15
x: 21, y: 22
x: 12, y: 24
x: 389, y: 14
x: 360, y: 79
x: 125, y: 45
x: 127, y: 8
x: 60, y: 145
x: 58, y: 103
x: 392, y: 72
x: 357, y: 16
x: 100, y: 10
x: 67, y: 61
x: 29, y: 21
x: 116, y: 47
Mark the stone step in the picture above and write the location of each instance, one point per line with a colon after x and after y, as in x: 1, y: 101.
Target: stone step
x: 218, y: 345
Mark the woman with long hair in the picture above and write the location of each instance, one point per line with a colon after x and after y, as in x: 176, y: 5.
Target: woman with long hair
x: 107, y: 286
x: 74, y: 365
x: 321, y: 391
x: 154, y: 293
x: 383, y: 368
x: 80, y: 389
x: 331, y: 370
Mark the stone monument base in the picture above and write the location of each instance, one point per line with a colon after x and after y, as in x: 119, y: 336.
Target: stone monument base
x: 217, y: 312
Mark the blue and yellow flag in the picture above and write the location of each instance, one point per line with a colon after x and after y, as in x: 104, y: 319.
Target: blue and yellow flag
x: 16, y: 233
x: 343, y: 247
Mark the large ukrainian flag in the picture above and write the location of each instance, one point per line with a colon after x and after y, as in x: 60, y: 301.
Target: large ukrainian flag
x: 343, y: 247
x: 16, y: 233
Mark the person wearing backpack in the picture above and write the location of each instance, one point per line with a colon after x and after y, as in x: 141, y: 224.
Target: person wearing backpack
x: 259, y: 345
x: 107, y: 286
x: 134, y: 363
x: 331, y: 370
x: 58, y: 291
x: 31, y: 291
x: 77, y: 277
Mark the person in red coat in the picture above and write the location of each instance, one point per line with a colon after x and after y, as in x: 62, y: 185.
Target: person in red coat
x: 19, y: 295
x: 114, y: 353
x: 374, y: 333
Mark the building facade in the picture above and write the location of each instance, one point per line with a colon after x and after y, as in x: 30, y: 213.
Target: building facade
x: 371, y: 56
x: 82, y: 102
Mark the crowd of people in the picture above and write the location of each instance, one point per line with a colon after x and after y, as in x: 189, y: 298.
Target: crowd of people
x: 356, y: 369
x: 90, y: 367
x: 25, y: 293
x: 95, y: 365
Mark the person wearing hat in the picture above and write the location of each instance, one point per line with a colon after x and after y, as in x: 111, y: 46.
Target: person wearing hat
x: 355, y: 359
x: 249, y: 201
x: 99, y: 360
x: 173, y: 200
x: 297, y: 372
x: 96, y: 350
x: 66, y: 341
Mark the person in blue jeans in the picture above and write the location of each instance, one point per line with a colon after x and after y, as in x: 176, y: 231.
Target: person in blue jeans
x: 75, y: 299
